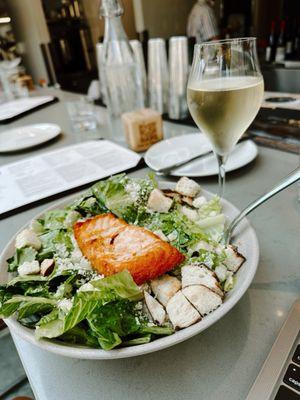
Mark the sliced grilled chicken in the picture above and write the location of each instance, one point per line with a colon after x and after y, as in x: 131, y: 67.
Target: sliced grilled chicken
x: 181, y: 313
x: 234, y: 260
x: 202, y: 298
x: 155, y: 309
x: 202, y: 245
x: 188, y: 200
x: 178, y: 197
x: 165, y: 287
x: 200, y: 275
x: 222, y: 272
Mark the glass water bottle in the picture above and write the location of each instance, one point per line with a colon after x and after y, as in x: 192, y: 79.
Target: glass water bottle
x: 121, y: 73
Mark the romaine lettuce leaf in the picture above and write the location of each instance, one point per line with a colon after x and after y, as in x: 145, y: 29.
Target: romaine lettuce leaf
x: 106, y: 338
x: 113, y: 321
x: 187, y: 232
x: 20, y: 256
x: 27, y: 304
x: 157, y: 330
x: 123, y: 196
x: 9, y: 309
x: 53, y: 315
x: 88, y: 205
x: 57, y: 242
x: 137, y: 341
x: 30, y: 308
x: 111, y: 288
x: 122, y: 284
x: 51, y: 329
x: 210, y: 208
x: 83, y: 304
x: 26, y: 279
x: 54, y: 220
x: 80, y: 335
x: 116, y: 287
x: 112, y: 194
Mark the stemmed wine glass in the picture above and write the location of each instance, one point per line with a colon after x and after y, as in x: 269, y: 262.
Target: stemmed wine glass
x: 224, y: 93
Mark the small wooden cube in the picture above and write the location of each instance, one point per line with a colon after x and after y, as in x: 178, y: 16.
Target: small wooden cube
x: 142, y: 128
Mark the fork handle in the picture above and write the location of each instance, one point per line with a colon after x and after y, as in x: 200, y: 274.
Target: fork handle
x: 293, y: 177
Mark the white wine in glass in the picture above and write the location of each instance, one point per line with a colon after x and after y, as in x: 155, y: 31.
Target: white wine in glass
x: 224, y: 93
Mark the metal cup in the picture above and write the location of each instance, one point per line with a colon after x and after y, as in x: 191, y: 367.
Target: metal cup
x: 158, y: 80
x: 137, y: 49
x: 99, y: 57
x: 178, y: 72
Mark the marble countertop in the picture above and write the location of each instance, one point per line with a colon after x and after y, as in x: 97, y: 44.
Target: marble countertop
x: 221, y: 362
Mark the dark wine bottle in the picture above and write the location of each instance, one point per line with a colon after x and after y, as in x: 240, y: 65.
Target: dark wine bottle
x: 289, y: 40
x: 270, y: 49
x: 280, y: 49
x: 297, y: 40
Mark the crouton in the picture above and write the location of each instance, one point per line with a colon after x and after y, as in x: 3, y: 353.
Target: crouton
x: 159, y: 202
x: 187, y: 187
x: 29, y: 268
x: 28, y: 238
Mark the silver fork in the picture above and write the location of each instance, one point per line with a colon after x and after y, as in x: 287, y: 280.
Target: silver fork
x: 293, y: 177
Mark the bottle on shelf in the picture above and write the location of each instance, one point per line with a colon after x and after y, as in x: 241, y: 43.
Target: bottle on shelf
x: 288, y: 40
x: 296, y: 53
x: 270, y: 49
x: 280, y: 48
x: 121, y: 73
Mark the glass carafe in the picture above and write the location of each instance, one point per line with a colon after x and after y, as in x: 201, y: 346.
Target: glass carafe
x: 121, y: 73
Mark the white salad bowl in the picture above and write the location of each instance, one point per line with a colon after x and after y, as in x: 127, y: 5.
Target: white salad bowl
x: 245, y: 239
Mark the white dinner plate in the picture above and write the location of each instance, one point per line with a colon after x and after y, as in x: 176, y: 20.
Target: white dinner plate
x: 180, y: 148
x: 246, y: 240
x: 27, y: 136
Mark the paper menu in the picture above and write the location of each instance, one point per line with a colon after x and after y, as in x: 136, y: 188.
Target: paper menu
x: 13, y: 108
x: 38, y: 177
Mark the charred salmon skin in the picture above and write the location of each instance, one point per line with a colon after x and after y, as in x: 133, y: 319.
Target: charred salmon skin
x: 112, y: 245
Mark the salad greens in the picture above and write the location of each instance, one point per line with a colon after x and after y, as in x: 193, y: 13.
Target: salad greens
x: 20, y: 256
x: 73, y: 303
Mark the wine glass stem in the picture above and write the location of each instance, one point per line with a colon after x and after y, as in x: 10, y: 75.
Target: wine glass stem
x: 222, y: 174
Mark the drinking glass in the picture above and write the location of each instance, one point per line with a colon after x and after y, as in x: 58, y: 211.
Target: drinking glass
x: 82, y: 115
x: 224, y: 93
x: 158, y: 79
x: 178, y: 72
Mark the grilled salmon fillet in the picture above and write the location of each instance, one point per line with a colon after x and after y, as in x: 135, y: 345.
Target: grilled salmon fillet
x: 112, y: 245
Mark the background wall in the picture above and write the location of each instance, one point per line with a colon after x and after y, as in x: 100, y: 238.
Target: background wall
x: 264, y: 11
x: 162, y: 18
x: 91, y: 10
x: 165, y: 18
x: 29, y: 25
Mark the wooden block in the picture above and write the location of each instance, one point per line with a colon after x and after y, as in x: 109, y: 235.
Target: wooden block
x: 142, y: 128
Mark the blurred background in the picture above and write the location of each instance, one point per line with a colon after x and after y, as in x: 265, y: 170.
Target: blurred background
x: 56, y: 38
